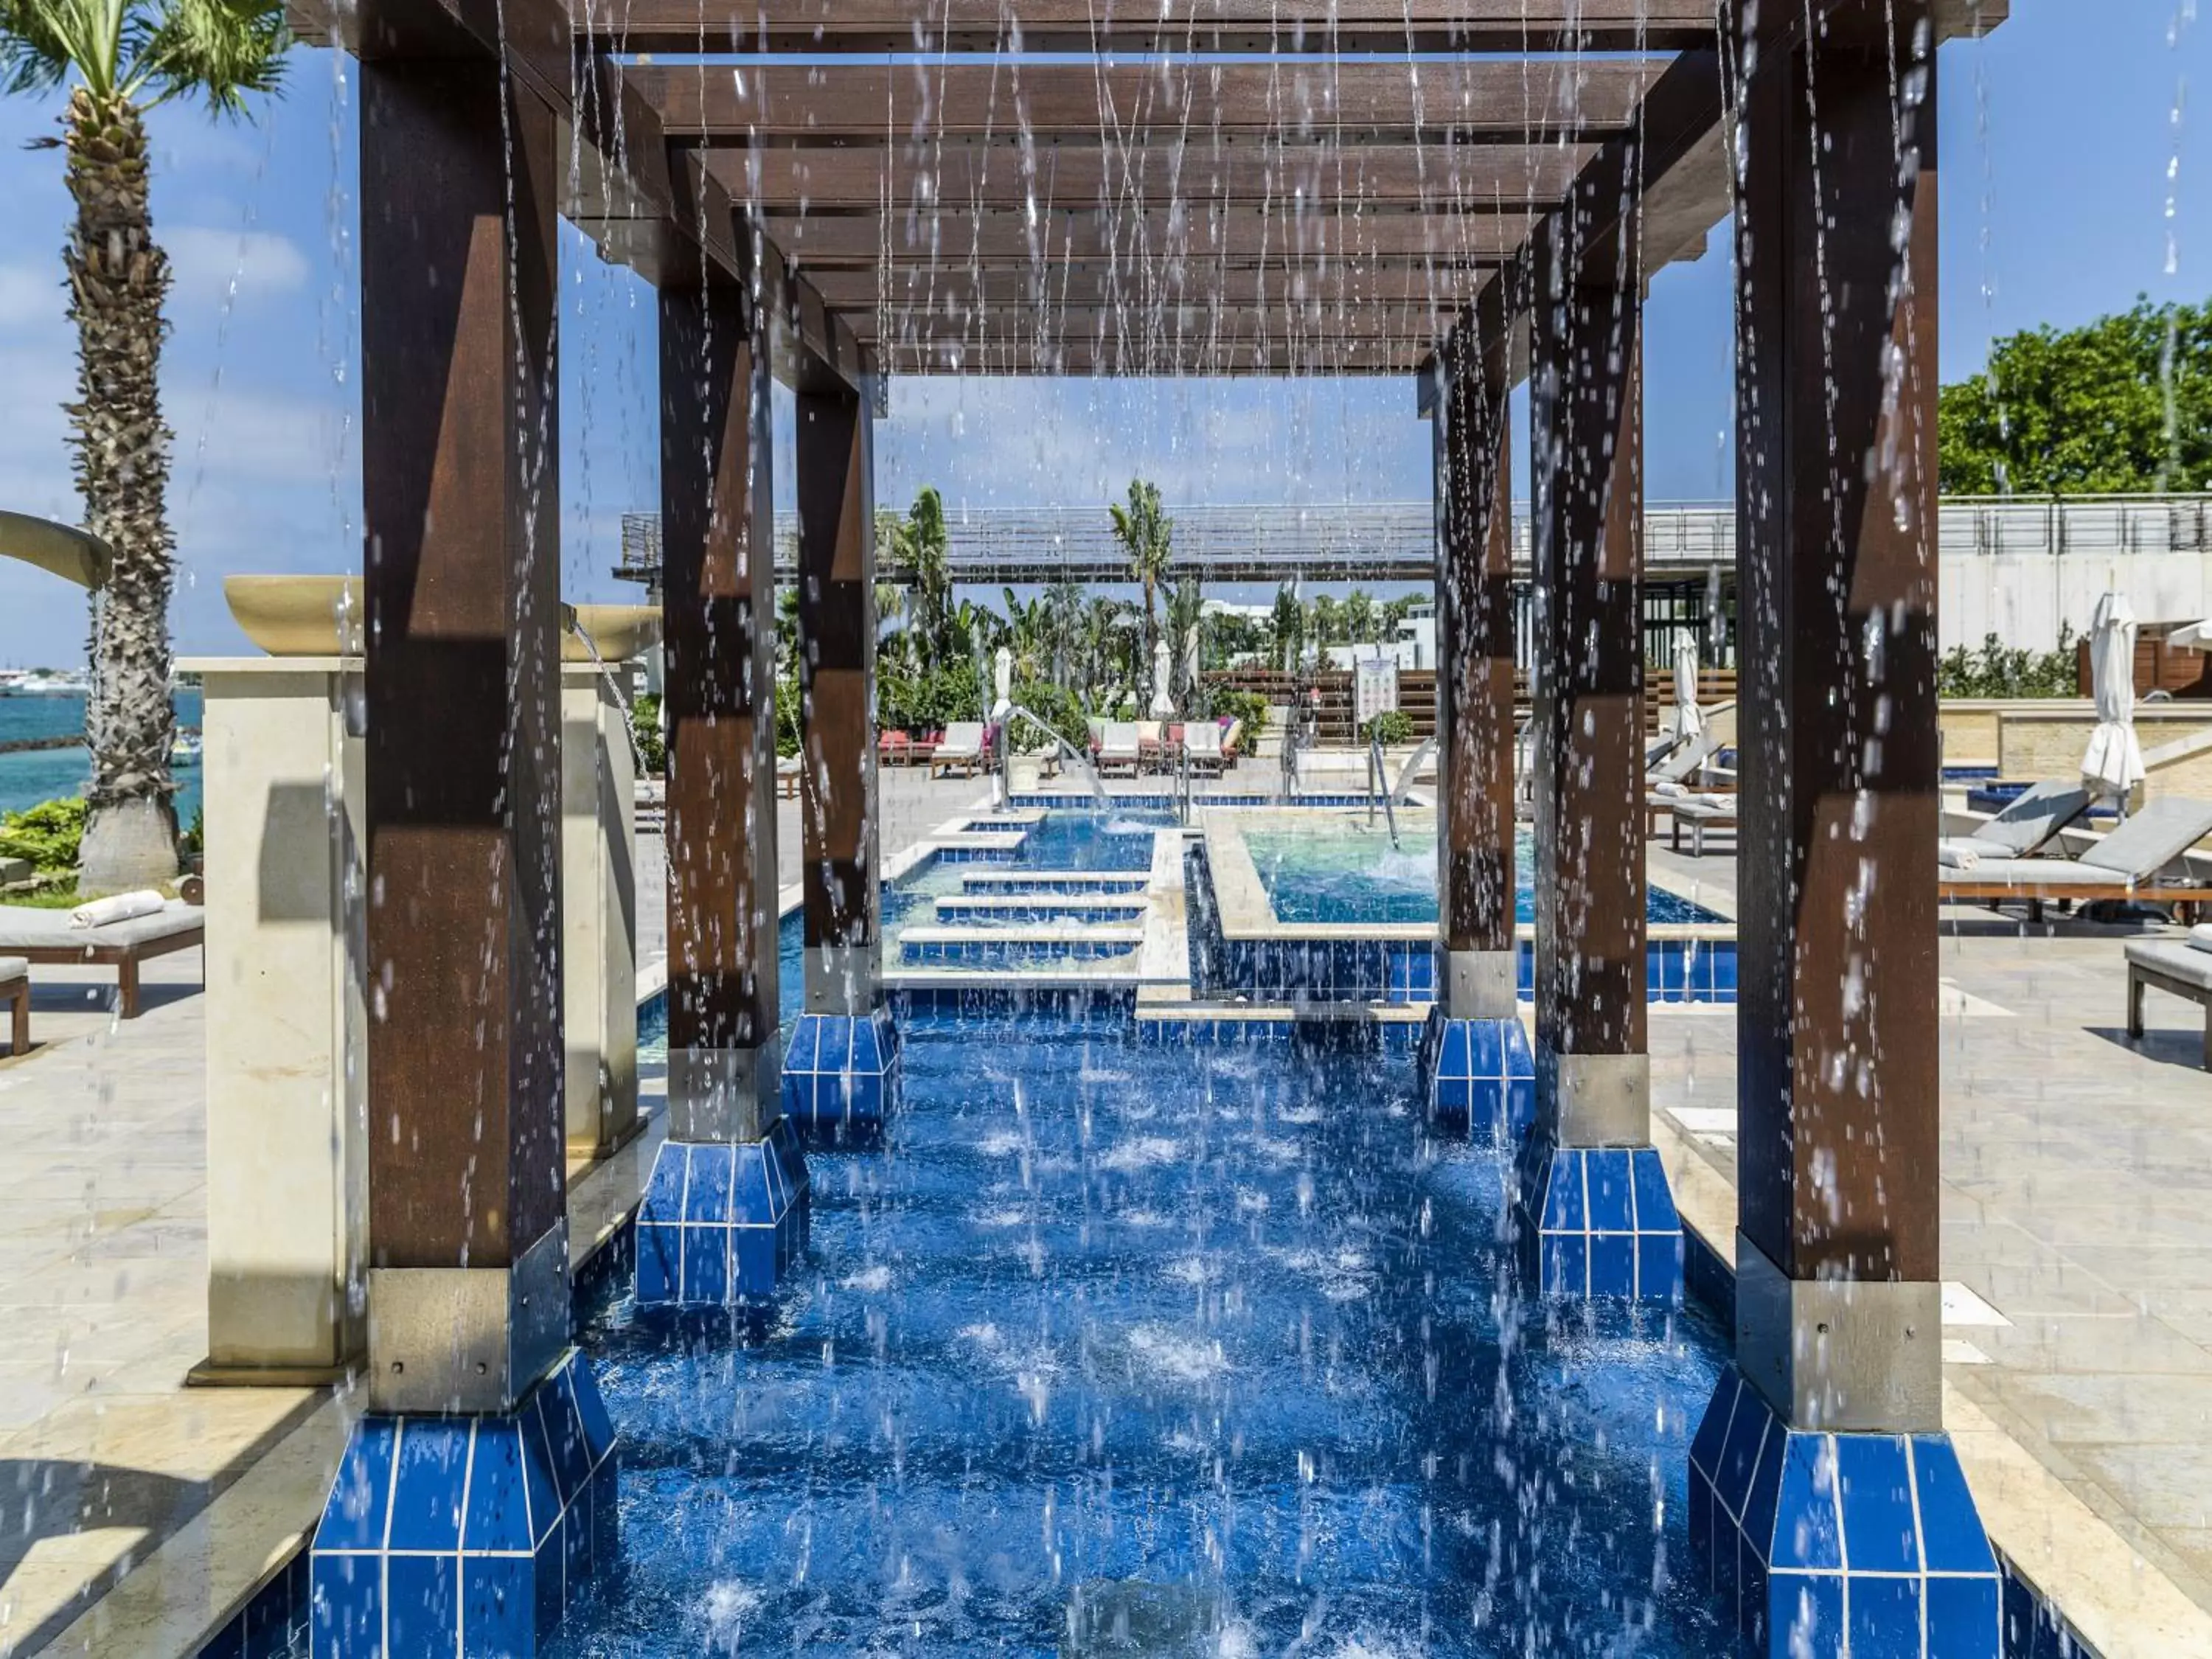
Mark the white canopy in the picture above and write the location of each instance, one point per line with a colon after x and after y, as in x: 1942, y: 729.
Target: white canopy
x: 2113, y: 765
x: 1688, y: 722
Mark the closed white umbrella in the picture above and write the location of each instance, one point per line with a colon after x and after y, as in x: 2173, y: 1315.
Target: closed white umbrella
x: 1688, y: 722
x: 1163, y: 704
x: 2114, y: 764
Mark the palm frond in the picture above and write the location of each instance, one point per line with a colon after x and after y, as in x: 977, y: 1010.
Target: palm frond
x: 42, y: 40
x: 218, y: 50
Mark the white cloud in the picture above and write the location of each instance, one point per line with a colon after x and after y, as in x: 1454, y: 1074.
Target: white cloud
x: 206, y: 262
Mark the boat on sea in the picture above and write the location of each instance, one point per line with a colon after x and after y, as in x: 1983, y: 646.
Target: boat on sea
x: 42, y: 682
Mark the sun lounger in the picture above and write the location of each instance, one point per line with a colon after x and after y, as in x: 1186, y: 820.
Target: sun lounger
x: 2021, y: 830
x: 1119, y: 750
x: 1201, y: 746
x: 2176, y: 968
x: 894, y: 749
x: 46, y: 936
x: 962, y: 746
x: 15, y: 992
x: 1151, y: 744
x: 786, y: 777
x: 2133, y: 862
x: 1666, y: 783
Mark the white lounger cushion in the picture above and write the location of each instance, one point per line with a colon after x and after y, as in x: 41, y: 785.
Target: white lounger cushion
x: 1202, y: 741
x: 13, y: 968
x: 1121, y: 739
x: 2174, y: 957
x: 2028, y: 822
x: 1705, y: 809
x: 2039, y: 872
x: 24, y: 928
x: 2154, y: 838
x: 961, y: 738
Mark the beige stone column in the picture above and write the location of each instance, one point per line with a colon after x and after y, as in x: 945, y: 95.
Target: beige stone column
x: 599, y: 907
x: 288, y: 1165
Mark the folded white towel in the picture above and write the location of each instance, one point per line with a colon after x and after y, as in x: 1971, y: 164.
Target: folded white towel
x: 121, y: 907
x: 1671, y: 789
x: 2200, y: 936
x: 1952, y: 856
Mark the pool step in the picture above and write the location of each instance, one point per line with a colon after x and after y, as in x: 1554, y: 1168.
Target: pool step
x: 982, y: 882
x: 1030, y: 945
x: 1003, y: 910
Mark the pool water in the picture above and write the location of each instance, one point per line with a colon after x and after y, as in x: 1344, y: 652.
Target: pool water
x: 1337, y: 871
x: 1113, y: 1349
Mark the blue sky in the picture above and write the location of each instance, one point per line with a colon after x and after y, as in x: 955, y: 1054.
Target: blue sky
x: 2044, y: 220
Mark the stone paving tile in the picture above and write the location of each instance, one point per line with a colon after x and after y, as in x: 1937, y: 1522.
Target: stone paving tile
x: 2077, y: 1201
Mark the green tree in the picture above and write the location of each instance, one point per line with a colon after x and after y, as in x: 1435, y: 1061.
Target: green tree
x: 922, y: 556
x: 1144, y: 531
x: 2122, y: 405
x: 1289, y: 628
x: 120, y: 58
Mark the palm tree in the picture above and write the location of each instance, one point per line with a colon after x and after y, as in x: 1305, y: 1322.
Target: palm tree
x: 922, y: 551
x: 119, y: 59
x: 1143, y: 529
x: 1185, y: 607
x: 1063, y: 610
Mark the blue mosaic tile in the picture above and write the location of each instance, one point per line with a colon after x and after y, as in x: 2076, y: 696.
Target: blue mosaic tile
x: 462, y: 1535
x: 1862, y: 1544
x: 1598, y: 1223
x: 840, y: 1074
x: 1479, y: 1076
x: 737, y: 1221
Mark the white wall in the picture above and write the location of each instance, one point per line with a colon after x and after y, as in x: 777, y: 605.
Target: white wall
x: 2023, y: 598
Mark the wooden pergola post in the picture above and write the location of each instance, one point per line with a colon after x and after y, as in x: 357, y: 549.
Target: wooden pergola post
x: 1832, y: 1414
x: 468, y: 1287
x: 1596, y: 1217
x: 840, y: 1070
x: 725, y: 1210
x: 1477, y: 1068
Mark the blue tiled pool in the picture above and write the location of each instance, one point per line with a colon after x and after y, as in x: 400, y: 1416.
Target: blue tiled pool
x: 1207, y: 1348
x: 1338, y: 872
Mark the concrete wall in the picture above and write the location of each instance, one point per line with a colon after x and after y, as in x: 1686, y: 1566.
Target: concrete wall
x: 2024, y: 598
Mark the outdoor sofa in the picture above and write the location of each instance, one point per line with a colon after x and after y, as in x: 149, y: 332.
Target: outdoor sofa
x: 47, y: 937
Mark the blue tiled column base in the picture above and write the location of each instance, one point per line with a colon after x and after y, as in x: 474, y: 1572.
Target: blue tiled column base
x: 1598, y: 1223
x: 840, y: 1074
x: 1848, y: 1544
x: 466, y: 1535
x: 721, y: 1224
x: 1479, y: 1076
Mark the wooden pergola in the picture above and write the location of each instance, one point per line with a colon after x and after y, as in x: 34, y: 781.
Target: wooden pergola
x: 1462, y: 192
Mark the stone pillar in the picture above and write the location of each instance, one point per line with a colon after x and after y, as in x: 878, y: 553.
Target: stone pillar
x: 1477, y: 1067
x: 476, y: 1494
x: 840, y: 1070
x: 288, y: 1151
x: 1595, y: 1216
x: 1824, y: 1494
x: 599, y: 907
x: 725, y: 1212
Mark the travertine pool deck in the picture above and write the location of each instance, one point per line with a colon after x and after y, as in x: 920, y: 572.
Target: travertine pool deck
x: 2078, y: 1213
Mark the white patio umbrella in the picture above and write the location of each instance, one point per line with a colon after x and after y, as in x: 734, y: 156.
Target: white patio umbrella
x: 2113, y: 765
x: 1688, y: 722
x: 1163, y: 704
x: 2197, y: 637
x: 1002, y: 675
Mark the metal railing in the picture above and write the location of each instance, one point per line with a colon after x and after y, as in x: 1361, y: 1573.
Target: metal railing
x: 1379, y: 788
x: 1395, y: 541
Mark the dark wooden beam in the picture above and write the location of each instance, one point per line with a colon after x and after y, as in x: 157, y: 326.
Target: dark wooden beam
x: 1586, y: 407
x: 1287, y: 320
x: 837, y: 689
x: 1837, y: 1028
x: 1328, y: 100
x: 718, y: 600
x: 1216, y: 26
x: 1475, y: 832
x: 1144, y: 359
x: 460, y: 492
x: 1022, y: 294
x: 1193, y: 176
x: 1243, y: 237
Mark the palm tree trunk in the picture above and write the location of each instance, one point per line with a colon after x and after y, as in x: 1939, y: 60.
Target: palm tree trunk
x: 118, y: 279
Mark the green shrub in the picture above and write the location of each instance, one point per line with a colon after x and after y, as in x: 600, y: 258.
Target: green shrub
x: 1057, y: 706
x: 930, y: 701
x: 1246, y: 705
x: 645, y: 725
x: 193, y: 842
x: 787, y: 719
x: 1390, y: 727
x: 1999, y: 671
x: 47, y: 834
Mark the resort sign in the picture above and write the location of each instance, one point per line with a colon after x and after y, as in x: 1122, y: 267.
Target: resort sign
x: 1374, y: 687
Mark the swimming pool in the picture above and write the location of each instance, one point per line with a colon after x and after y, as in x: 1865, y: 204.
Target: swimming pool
x: 1338, y: 871
x: 1112, y: 1349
